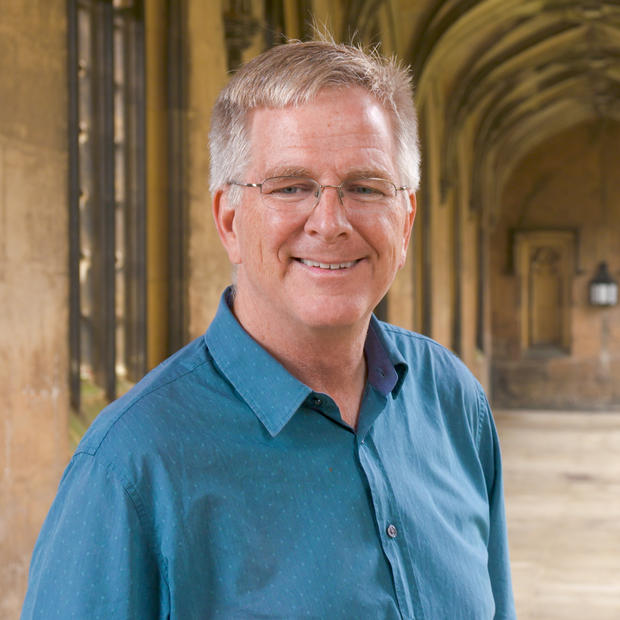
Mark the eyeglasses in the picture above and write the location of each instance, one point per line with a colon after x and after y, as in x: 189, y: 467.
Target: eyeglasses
x: 291, y: 193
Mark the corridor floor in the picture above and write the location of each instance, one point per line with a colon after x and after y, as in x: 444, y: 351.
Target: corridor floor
x: 562, y: 487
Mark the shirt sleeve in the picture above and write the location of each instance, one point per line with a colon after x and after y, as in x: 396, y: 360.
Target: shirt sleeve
x: 93, y: 558
x: 498, y: 555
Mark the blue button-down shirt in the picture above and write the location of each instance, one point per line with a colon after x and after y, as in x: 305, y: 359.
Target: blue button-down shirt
x: 222, y: 487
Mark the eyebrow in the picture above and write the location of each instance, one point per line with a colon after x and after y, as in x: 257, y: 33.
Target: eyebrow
x: 288, y: 171
x: 368, y: 173
x: 355, y: 173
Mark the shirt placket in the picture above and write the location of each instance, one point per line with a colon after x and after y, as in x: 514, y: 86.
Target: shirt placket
x: 391, y: 528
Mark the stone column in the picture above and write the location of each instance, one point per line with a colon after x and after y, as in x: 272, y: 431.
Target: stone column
x: 209, y: 269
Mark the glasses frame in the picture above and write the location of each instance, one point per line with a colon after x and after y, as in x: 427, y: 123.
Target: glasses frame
x: 338, y: 188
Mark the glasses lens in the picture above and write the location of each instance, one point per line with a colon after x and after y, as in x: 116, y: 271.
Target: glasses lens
x: 368, y: 190
x: 293, y: 191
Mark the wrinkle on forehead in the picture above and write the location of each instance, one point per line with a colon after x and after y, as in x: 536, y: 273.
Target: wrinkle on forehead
x: 357, y: 130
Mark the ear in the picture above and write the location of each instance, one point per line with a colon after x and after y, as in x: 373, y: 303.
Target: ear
x: 407, y: 228
x: 225, y: 217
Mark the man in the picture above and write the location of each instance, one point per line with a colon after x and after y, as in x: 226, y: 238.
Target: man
x: 301, y: 459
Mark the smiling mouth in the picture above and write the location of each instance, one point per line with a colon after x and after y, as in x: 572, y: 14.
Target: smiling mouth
x: 330, y: 266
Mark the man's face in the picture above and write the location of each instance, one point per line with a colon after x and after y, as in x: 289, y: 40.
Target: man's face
x: 343, y: 133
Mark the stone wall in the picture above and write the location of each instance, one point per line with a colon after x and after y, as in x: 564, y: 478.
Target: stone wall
x: 569, y: 183
x: 33, y: 279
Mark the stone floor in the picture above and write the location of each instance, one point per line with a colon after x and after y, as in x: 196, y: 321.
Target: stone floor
x: 562, y: 485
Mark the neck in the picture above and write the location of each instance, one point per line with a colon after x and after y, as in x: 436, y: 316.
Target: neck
x: 327, y: 359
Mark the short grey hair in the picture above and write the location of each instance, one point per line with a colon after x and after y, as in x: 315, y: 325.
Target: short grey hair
x: 293, y: 74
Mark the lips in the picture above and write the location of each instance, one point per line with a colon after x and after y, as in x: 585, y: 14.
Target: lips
x: 330, y: 266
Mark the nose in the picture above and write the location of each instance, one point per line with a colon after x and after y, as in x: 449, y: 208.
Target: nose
x: 328, y: 218
x: 337, y: 188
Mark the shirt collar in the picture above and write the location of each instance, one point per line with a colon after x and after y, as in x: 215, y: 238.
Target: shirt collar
x: 267, y: 387
x: 387, y: 367
x: 264, y: 384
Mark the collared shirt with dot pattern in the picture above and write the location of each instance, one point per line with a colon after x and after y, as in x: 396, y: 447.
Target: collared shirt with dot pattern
x: 221, y: 487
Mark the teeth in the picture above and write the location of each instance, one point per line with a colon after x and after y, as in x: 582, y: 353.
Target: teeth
x: 312, y: 263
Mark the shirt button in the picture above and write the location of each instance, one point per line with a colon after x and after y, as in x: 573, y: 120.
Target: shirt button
x: 316, y: 401
x: 392, y: 532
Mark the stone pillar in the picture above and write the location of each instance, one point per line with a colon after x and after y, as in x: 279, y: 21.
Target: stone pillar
x: 157, y: 143
x: 33, y: 279
x: 209, y: 269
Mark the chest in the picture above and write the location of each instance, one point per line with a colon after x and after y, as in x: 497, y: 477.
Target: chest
x: 315, y: 523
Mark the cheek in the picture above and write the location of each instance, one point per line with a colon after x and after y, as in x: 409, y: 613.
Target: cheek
x: 400, y: 232
x: 388, y: 235
x: 265, y: 235
x: 248, y: 224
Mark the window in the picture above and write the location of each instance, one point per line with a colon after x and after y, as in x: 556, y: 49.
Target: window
x: 107, y: 196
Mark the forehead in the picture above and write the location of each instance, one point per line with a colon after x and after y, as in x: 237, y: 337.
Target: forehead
x: 339, y: 130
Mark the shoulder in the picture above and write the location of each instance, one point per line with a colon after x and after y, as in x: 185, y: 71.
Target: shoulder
x: 138, y: 415
x: 438, y: 382
x: 427, y: 358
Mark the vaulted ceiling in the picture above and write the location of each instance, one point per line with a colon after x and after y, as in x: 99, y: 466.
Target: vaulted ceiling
x: 504, y: 75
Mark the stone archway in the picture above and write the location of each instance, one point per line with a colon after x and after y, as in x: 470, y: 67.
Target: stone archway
x: 496, y: 80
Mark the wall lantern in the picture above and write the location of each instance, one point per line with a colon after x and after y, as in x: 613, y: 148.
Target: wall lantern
x: 603, y: 288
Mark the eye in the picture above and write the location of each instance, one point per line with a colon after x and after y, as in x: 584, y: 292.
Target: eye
x: 288, y: 187
x: 368, y: 189
x: 363, y: 189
